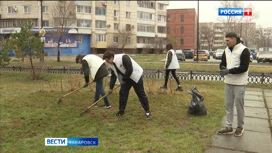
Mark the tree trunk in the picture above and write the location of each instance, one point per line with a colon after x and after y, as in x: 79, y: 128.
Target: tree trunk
x: 32, y: 67
x: 58, y: 57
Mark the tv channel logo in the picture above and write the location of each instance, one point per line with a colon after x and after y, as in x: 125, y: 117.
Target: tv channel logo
x: 71, y: 141
x: 235, y: 11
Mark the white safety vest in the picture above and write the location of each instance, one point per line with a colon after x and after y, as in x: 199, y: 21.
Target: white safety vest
x: 94, y: 63
x: 233, y: 60
x: 136, y: 72
x: 174, y: 63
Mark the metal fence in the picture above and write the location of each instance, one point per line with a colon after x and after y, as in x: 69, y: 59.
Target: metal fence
x: 255, y: 78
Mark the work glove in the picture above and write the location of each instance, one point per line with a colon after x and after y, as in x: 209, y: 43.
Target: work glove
x: 224, y: 72
x: 85, y: 85
x: 110, y: 92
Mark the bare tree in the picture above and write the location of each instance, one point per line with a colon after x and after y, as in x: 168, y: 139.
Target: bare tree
x: 64, y: 15
x: 173, y: 41
x: 262, y: 40
x: 242, y: 25
x: 206, y: 34
x: 125, y: 35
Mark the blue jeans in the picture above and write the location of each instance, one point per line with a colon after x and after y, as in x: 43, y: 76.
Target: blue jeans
x: 100, y: 91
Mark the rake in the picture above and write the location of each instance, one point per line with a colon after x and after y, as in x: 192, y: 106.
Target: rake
x: 60, y: 99
x: 87, y: 110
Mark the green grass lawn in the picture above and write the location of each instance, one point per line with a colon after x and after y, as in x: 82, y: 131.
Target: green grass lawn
x: 30, y: 113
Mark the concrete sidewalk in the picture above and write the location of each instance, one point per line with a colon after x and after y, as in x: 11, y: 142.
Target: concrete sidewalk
x: 257, y: 134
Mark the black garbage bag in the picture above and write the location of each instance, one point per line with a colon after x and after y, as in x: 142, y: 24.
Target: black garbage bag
x: 196, y: 106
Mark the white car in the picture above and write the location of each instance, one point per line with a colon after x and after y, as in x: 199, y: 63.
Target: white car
x: 219, y: 53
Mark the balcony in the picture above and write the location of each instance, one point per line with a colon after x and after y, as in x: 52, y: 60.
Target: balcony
x: 17, y: 23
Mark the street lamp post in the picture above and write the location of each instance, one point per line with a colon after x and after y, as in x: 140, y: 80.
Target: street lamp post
x: 197, y: 40
x: 42, y: 54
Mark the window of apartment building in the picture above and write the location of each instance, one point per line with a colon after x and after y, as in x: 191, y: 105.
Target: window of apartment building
x: 168, y: 29
x: 84, y: 23
x: 128, y: 3
x: 168, y: 17
x: 128, y: 39
x: 115, y: 2
x: 161, y: 6
x: 6, y: 24
x: 128, y: 15
x: 10, y: 10
x: 145, y: 16
x: 146, y: 4
x: 181, y: 18
x: 145, y: 28
x: 181, y: 29
x: 116, y: 13
x: 26, y: 9
x: 100, y: 24
x: 100, y: 11
x: 101, y: 37
x: 128, y: 27
x: 45, y: 23
x: 162, y: 18
x: 62, y: 10
x: 161, y: 29
x: 45, y: 9
x: 181, y: 41
x: 116, y: 26
x: 115, y: 39
x: 84, y: 9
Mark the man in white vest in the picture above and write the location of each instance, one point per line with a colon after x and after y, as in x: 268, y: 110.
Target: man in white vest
x: 129, y: 74
x: 171, y: 64
x: 96, y: 67
x: 234, y: 68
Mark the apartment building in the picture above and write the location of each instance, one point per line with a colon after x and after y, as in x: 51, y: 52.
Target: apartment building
x: 182, y: 27
x: 126, y: 26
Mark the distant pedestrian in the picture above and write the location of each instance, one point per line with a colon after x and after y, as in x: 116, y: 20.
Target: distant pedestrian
x: 94, y: 65
x: 234, y: 68
x: 171, y: 64
x: 129, y: 74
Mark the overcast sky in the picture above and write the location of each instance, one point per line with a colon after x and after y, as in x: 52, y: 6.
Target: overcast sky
x: 209, y: 10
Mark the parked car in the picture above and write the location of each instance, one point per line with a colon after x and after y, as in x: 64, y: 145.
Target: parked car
x: 219, y: 53
x: 208, y: 53
x: 189, y: 53
x: 202, y: 55
x: 264, y: 56
x: 253, y: 53
x: 180, y: 55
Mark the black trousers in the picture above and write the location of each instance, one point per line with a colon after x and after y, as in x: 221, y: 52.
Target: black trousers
x: 138, y: 88
x: 173, y: 71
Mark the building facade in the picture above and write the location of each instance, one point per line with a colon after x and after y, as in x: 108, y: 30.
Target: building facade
x: 182, y: 28
x: 125, y: 26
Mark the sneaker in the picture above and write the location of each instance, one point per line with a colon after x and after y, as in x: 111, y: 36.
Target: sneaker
x: 225, y: 131
x: 107, y: 107
x: 238, y: 132
x: 179, y: 88
x: 119, y: 113
x: 147, y: 114
x: 163, y: 87
x: 95, y: 105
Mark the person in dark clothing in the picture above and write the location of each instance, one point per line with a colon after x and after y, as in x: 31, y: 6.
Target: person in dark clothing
x: 94, y: 65
x: 171, y: 64
x: 129, y: 74
x: 234, y: 68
